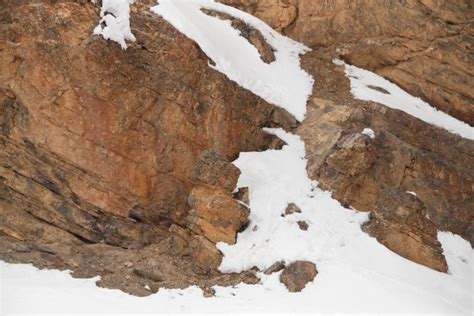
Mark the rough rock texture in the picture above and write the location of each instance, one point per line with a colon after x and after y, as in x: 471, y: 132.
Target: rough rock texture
x: 216, y: 215
x: 406, y: 153
x: 98, y: 145
x: 399, y: 221
x: 297, y: 275
x: 423, y: 46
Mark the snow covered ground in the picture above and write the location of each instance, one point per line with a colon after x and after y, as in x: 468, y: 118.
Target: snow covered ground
x: 356, y: 273
x: 364, y: 85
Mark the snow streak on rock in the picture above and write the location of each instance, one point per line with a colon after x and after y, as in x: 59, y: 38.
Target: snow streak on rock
x: 368, y: 86
x: 281, y: 82
x: 115, y: 22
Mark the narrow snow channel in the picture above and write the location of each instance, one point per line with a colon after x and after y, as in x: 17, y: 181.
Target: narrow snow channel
x: 281, y: 82
x: 368, y: 86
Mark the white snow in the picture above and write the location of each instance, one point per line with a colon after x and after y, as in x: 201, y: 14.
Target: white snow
x: 397, y: 98
x: 369, y: 132
x: 282, y: 82
x: 116, y: 17
x: 356, y: 285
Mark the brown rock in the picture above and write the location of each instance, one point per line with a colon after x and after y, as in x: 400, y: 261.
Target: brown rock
x: 297, y: 275
x: 98, y: 145
x: 205, y: 255
x: 215, y: 214
x: 214, y: 170
x: 242, y: 195
x: 276, y: 267
x: 399, y: 222
x: 292, y: 208
x: 302, y: 225
x: 76, y: 149
x: 406, y: 153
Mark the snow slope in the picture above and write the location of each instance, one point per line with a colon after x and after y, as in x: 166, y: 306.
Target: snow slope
x: 282, y: 82
x: 397, y: 98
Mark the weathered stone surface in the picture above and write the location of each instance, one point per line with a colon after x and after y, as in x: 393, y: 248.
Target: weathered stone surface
x: 120, y: 131
x: 215, y: 171
x: 303, y: 225
x: 205, y: 254
x: 292, y: 208
x: 215, y: 214
x: 423, y: 46
x: 297, y: 275
x: 242, y: 195
x: 276, y: 267
x: 406, y: 152
x: 399, y: 221
x: 98, y: 145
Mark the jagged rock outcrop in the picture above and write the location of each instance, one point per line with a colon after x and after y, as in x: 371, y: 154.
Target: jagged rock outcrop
x: 405, y: 154
x: 423, y: 46
x: 98, y: 145
x: 399, y: 221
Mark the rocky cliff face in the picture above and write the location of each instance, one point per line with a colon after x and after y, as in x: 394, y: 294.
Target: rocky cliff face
x: 117, y: 163
x: 423, y: 46
x: 102, y: 143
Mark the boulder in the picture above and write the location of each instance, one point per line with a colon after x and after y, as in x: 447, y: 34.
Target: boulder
x: 215, y: 214
x: 206, y: 256
x: 400, y: 222
x: 297, y: 275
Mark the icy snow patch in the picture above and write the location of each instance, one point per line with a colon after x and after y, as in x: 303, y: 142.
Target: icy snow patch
x: 368, y: 86
x: 115, y: 22
x: 281, y: 82
x: 369, y: 132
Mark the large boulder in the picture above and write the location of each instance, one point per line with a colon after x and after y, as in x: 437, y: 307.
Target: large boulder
x: 400, y: 222
x: 296, y: 275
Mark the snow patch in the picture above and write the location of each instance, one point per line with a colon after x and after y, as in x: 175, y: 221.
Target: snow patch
x: 369, y: 132
x: 281, y: 82
x: 115, y: 22
x: 368, y: 86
